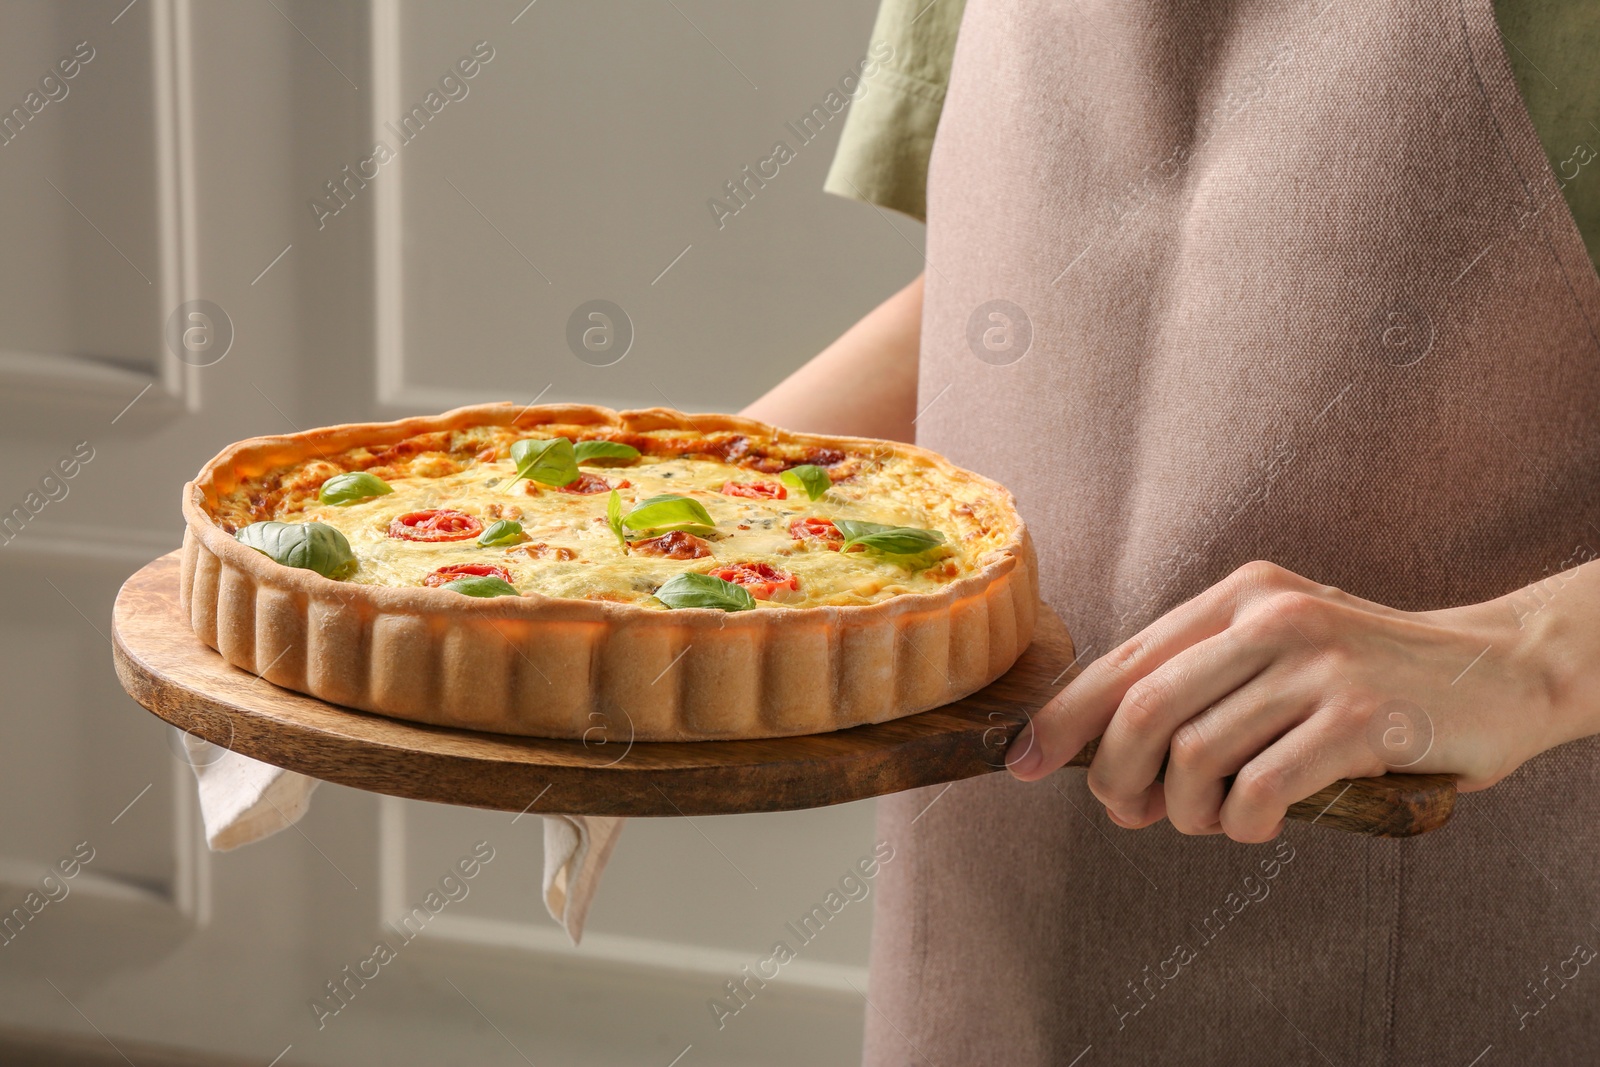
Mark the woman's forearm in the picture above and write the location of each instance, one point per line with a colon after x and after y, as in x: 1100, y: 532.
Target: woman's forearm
x: 862, y: 385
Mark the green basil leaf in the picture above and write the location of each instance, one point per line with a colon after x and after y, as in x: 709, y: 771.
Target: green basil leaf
x: 549, y: 461
x: 809, y: 477
x: 503, y: 532
x: 677, y: 527
x: 667, y: 511
x: 352, y: 488
x: 604, y: 453
x: 690, y: 590
x: 486, y: 586
x: 614, y: 518
x: 892, y: 540
x: 311, y: 546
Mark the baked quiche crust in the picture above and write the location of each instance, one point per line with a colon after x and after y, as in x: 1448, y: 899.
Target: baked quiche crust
x: 584, y: 664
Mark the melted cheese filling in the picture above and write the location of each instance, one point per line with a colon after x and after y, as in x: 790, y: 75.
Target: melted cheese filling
x: 896, y: 491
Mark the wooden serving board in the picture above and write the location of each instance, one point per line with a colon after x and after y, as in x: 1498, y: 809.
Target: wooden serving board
x: 168, y: 670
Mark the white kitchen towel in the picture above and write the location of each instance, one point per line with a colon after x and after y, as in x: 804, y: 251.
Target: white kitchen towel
x: 243, y: 800
x: 576, y: 848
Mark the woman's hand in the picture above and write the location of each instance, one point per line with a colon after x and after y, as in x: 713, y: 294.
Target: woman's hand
x: 1290, y: 685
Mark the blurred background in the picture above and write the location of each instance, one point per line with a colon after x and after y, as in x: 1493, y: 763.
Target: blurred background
x: 201, y: 245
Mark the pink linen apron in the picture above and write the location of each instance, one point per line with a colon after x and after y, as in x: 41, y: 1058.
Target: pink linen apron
x: 1217, y: 280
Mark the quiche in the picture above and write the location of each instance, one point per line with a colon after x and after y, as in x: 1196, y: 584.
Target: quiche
x: 574, y: 572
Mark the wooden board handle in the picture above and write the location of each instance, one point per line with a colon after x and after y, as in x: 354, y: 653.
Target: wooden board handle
x: 1390, y: 805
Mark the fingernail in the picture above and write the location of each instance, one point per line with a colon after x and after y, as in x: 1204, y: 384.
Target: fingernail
x: 1024, y: 756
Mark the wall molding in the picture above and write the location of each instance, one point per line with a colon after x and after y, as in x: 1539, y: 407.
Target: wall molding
x: 615, y: 953
x: 55, y: 546
x: 64, y: 544
x: 395, y: 393
x: 171, y: 46
x: 21, y: 874
x: 95, y: 385
x: 639, y: 955
x: 388, y: 250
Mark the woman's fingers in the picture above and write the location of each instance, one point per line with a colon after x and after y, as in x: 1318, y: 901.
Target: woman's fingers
x: 1082, y: 710
x: 1154, y: 812
x: 1151, y: 718
x: 1213, y: 746
x: 1317, y: 753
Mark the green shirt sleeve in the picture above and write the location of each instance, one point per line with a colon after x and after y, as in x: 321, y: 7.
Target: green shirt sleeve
x: 1554, y: 49
x: 883, y: 151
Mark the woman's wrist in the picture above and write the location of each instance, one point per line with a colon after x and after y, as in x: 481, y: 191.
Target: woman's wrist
x: 1553, y: 626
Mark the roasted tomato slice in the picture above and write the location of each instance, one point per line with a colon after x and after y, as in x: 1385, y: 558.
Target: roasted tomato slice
x: 815, y: 529
x: 587, y: 483
x: 674, y: 545
x: 761, y: 579
x: 435, y: 524
x: 446, y: 575
x: 755, y: 490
